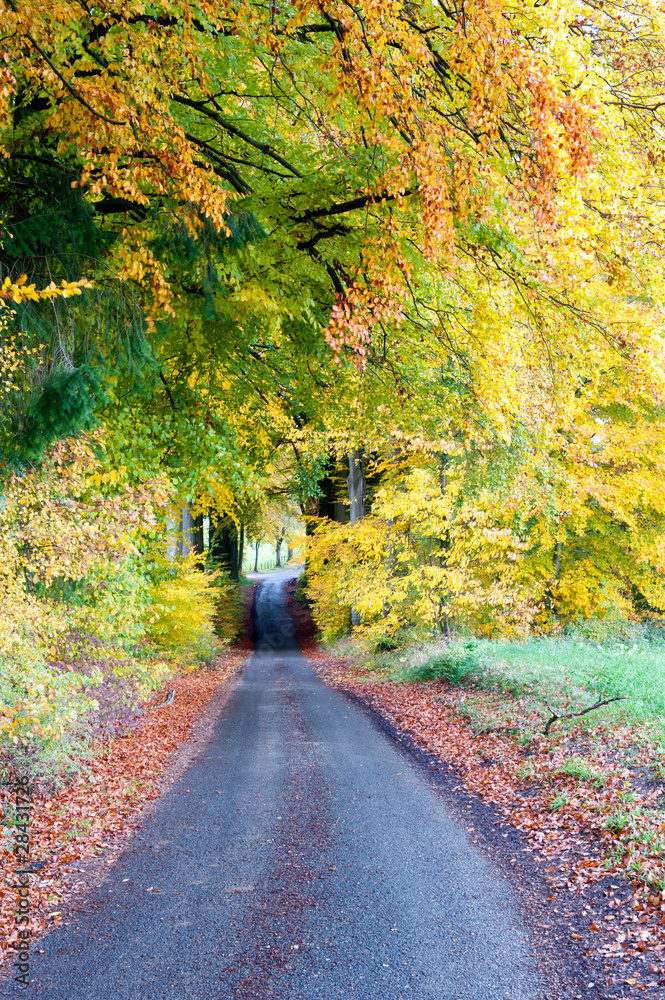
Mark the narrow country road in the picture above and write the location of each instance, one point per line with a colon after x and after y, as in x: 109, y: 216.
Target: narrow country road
x: 300, y: 857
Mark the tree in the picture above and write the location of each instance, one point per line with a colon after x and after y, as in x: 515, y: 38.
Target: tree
x: 278, y: 548
x: 351, y: 223
x: 365, y: 159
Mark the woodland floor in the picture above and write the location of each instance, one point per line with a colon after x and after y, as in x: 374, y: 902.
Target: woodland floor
x: 603, y: 924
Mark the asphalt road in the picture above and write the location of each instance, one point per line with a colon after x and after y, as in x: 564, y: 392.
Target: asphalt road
x: 300, y: 857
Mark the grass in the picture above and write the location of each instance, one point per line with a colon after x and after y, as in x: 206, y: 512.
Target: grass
x: 568, y: 674
x: 602, y: 772
x: 578, y: 768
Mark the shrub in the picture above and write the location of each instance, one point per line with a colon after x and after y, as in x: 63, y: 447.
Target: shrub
x: 229, y: 608
x: 457, y: 665
x: 73, y: 597
x: 183, y: 607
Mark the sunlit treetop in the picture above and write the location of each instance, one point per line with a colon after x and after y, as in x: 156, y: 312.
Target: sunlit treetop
x: 463, y: 200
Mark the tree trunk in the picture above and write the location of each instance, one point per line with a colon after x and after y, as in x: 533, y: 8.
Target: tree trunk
x: 197, y: 535
x: 185, y: 526
x: 241, y: 547
x: 224, y: 545
x: 256, y: 557
x: 557, y: 560
x: 233, y: 548
x: 171, y: 539
x: 356, y: 484
x: 278, y: 550
x: 334, y: 490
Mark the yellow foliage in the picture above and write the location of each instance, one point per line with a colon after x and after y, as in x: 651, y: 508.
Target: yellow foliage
x: 183, y: 609
x: 69, y: 567
x: 55, y: 525
x: 19, y: 290
x: 503, y: 559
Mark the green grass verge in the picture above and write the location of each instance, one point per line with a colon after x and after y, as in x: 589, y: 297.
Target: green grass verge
x: 568, y: 674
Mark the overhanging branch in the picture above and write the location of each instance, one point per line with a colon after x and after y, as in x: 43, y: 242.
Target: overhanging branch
x: 350, y: 206
x: 72, y: 90
x: 233, y: 130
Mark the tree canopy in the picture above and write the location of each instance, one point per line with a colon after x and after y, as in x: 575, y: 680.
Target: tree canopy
x: 313, y: 223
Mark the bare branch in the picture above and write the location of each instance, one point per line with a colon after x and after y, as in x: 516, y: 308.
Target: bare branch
x: 577, y: 715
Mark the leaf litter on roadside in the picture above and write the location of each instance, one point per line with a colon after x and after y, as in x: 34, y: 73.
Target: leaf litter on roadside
x: 87, y: 817
x: 576, y: 795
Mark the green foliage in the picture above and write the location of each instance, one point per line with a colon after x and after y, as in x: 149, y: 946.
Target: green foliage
x: 567, y: 671
x: 386, y: 643
x: 92, y: 619
x: 457, y: 664
x: 471, y: 325
x: 523, y: 679
x: 67, y: 407
x: 229, y: 606
x: 611, y: 628
x: 52, y: 710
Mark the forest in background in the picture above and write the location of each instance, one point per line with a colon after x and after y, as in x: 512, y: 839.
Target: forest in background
x: 390, y: 271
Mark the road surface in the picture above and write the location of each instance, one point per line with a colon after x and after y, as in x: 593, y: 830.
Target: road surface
x: 300, y: 857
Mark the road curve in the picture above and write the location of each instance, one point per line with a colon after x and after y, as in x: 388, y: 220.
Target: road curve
x: 300, y: 857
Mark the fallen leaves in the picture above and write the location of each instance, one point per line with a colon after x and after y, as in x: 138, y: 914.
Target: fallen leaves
x: 88, y: 816
x: 593, y: 826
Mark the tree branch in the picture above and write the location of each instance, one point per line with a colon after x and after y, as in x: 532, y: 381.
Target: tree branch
x: 34, y: 158
x: 232, y: 130
x: 585, y: 711
x: 168, y: 391
x: 111, y: 206
x: 350, y: 206
x: 339, y: 229
x: 227, y: 158
x: 72, y: 90
x: 230, y: 175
